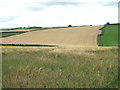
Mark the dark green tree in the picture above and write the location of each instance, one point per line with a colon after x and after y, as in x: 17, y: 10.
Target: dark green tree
x: 69, y: 25
x: 108, y: 23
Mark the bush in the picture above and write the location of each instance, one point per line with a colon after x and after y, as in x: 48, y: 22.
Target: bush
x: 108, y: 23
x: 70, y: 26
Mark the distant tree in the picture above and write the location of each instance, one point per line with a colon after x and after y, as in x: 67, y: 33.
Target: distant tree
x: 69, y: 25
x: 108, y: 23
x: 20, y: 27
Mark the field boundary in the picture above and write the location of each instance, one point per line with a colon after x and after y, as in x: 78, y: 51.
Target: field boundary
x: 99, y: 42
x: 28, y: 45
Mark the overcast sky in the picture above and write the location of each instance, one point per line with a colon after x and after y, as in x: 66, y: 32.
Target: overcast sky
x: 45, y: 13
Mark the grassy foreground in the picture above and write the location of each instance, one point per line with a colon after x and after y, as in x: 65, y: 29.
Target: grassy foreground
x: 110, y: 35
x: 59, y: 67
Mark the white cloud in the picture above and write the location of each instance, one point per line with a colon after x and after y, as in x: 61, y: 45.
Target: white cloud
x: 57, y: 13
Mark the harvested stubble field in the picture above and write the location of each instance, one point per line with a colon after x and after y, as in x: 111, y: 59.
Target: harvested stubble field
x: 79, y: 36
x: 59, y: 67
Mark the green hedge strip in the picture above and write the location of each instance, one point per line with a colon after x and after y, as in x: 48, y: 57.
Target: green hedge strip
x: 28, y: 45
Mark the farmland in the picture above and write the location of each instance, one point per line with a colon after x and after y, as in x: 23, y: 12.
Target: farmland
x: 59, y: 67
x: 110, y: 35
x: 78, y: 36
x: 75, y: 62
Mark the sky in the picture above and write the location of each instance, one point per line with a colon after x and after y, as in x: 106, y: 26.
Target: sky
x: 51, y: 13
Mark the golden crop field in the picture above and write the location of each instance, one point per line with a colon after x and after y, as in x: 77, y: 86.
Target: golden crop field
x: 79, y: 36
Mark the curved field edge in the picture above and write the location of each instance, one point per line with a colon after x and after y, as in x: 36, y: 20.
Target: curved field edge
x: 109, y: 35
x: 59, y: 67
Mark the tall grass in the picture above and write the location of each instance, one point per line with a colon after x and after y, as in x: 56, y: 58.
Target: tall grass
x: 59, y: 68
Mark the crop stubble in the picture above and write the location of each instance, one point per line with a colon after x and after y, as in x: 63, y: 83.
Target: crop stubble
x: 76, y: 36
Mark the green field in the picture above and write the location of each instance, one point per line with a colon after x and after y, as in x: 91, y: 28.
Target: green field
x: 59, y: 67
x: 6, y: 34
x: 110, y: 35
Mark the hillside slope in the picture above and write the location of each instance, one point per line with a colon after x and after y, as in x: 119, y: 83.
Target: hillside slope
x: 79, y: 36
